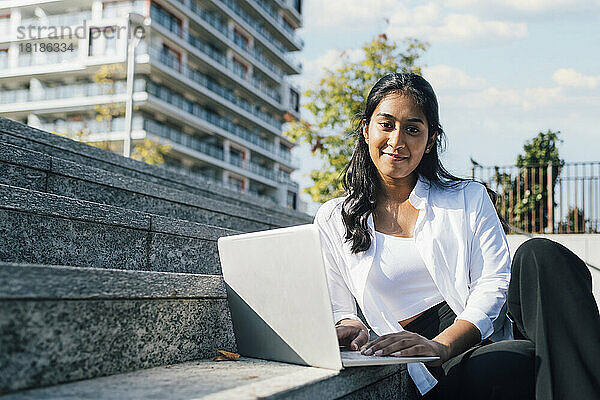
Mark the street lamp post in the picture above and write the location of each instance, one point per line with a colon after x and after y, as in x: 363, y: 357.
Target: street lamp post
x: 132, y: 42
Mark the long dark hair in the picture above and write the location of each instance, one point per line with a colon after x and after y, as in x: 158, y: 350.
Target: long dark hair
x: 360, y: 177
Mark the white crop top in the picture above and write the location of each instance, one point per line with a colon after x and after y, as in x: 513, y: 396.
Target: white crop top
x: 400, y: 277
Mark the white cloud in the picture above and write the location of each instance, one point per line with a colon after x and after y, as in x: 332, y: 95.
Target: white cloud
x: 313, y: 69
x: 529, y: 6
x: 523, y: 99
x: 490, y: 97
x: 447, y: 77
x: 452, y: 27
x: 338, y: 16
x: 571, y: 78
x: 427, y: 21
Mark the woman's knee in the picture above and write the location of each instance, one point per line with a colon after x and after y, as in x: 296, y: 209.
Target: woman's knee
x: 547, y: 257
x: 537, y: 247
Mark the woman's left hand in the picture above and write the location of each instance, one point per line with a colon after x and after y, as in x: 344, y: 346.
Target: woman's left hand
x: 406, y: 344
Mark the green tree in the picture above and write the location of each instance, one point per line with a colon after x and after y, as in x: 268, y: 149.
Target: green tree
x: 106, y: 77
x: 150, y: 152
x: 337, y: 99
x: 524, y: 198
x: 574, y: 221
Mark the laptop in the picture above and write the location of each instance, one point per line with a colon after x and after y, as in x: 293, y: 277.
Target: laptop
x: 279, y: 300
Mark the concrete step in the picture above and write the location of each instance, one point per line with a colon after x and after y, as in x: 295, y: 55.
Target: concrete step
x: 69, y: 150
x: 61, y: 324
x: 43, y: 228
x: 240, y: 380
x: 33, y: 170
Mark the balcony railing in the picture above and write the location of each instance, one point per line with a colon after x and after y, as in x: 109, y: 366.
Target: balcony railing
x: 4, y: 29
x: 72, y: 128
x: 78, y: 130
x: 237, y: 161
x: 165, y: 19
x: 121, y: 9
x: 269, y: 91
x: 212, y: 180
x: 285, y: 178
x: 183, y: 139
x: 58, y: 20
x: 259, y: 28
x: 198, y: 111
x: 66, y: 92
x: 203, y: 80
x: 28, y: 59
x: 547, y: 198
x: 235, y: 68
x: 162, y: 19
x: 195, y: 144
x: 279, y: 20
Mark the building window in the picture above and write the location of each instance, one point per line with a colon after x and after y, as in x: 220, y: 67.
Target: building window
x: 287, y: 25
x: 3, y: 58
x: 207, y: 172
x: 4, y: 23
x: 166, y: 19
x: 171, y: 57
x: 294, y: 100
x: 94, y: 43
x: 236, y: 157
x: 291, y: 200
x: 240, y: 39
x: 284, y: 149
x: 102, y: 41
x: 298, y: 6
x: 110, y: 40
x: 237, y: 183
x: 240, y: 68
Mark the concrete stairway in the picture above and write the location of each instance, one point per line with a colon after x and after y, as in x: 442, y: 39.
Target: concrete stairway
x: 61, y: 324
x: 55, y: 147
x: 110, y: 283
x: 34, y: 170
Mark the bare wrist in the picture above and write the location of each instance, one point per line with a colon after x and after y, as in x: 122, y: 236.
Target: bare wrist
x: 444, y: 350
x: 354, y: 323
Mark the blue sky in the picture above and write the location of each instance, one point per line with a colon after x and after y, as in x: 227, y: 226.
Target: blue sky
x: 502, y: 70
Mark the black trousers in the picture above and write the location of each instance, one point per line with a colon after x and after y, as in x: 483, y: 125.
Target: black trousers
x: 556, y: 351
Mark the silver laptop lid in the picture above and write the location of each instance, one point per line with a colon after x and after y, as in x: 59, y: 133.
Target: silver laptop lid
x: 278, y: 296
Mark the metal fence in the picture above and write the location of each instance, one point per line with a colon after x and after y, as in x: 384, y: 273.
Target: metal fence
x: 546, y: 198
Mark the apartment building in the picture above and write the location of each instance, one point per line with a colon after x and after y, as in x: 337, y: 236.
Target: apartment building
x: 210, y: 81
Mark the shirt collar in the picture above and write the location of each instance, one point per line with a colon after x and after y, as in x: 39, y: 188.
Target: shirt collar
x: 420, y: 193
x: 418, y: 198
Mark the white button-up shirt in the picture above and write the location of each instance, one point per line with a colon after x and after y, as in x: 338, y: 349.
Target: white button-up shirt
x: 462, y: 243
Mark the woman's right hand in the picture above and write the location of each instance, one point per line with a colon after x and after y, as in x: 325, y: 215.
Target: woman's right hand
x: 352, y: 333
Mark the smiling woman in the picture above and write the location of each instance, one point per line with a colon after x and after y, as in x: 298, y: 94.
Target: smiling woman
x: 424, y: 255
x: 397, y: 136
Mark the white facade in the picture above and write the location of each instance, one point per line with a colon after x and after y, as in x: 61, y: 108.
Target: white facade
x: 210, y: 80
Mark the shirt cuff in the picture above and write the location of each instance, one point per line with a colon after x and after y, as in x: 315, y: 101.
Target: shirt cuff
x: 338, y: 317
x: 479, y: 319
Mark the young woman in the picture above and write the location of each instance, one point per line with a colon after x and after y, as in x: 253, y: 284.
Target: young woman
x: 424, y: 255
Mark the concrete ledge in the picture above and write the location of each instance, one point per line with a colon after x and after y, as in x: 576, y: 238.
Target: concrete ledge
x: 86, y: 183
x: 23, y: 136
x: 24, y: 177
x: 86, y: 323
x: 20, y: 156
x: 19, y: 199
x: 585, y: 246
x: 30, y: 281
x: 76, y: 180
x: 42, y: 228
x: 243, y: 379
